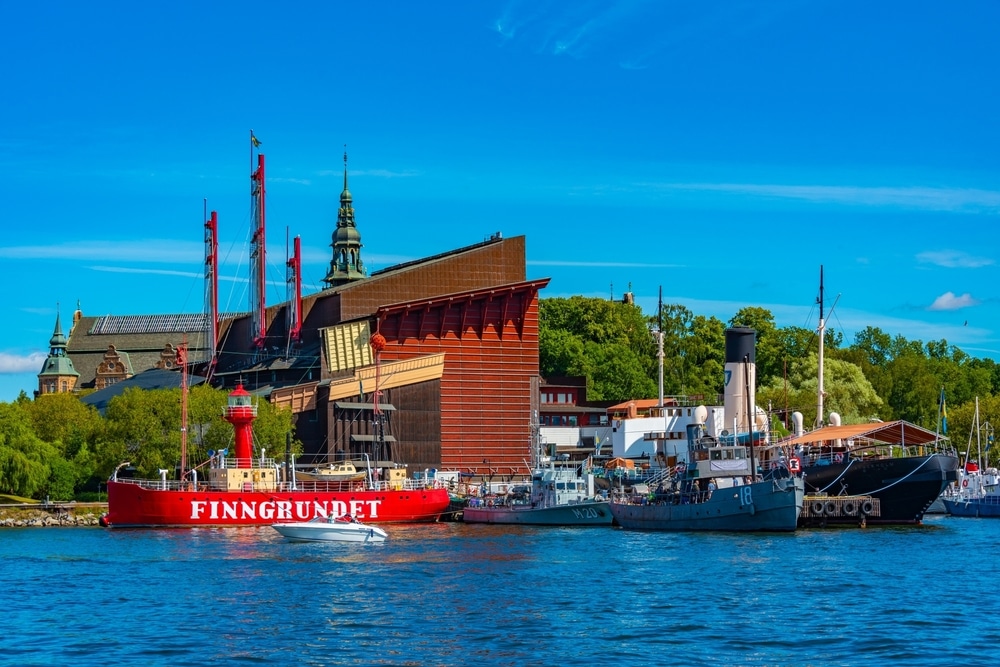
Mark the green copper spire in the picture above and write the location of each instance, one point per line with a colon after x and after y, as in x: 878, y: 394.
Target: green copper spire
x: 346, y: 265
x: 58, y: 373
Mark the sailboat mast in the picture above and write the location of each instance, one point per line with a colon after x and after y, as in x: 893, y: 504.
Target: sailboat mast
x: 820, y: 331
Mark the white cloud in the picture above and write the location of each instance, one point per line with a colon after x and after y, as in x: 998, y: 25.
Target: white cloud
x: 948, y: 301
x: 935, y: 199
x: 953, y: 259
x: 148, y: 250
x: 12, y: 363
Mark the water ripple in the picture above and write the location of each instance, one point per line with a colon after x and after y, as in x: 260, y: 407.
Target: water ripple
x: 450, y: 594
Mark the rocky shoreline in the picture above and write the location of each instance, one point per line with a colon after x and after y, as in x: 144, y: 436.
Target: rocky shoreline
x: 35, y: 517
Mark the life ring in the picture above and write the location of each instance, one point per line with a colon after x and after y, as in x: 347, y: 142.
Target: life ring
x: 794, y: 465
x: 867, y: 507
x: 838, y: 457
x: 473, y: 491
x: 849, y: 508
x: 817, y: 507
x: 830, y: 508
x: 965, y: 483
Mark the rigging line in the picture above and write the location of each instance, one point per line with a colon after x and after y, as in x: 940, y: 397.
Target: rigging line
x: 904, y: 477
x: 848, y: 467
x: 898, y: 481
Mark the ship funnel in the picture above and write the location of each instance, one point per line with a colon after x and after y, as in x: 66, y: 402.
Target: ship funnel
x: 741, y: 378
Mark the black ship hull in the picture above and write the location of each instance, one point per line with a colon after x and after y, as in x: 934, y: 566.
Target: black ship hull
x: 905, y: 486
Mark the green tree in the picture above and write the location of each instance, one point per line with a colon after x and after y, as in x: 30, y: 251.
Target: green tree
x: 73, y: 429
x: 846, y: 391
x: 694, y: 353
x: 618, y: 373
x: 608, y: 342
x: 146, y: 429
x: 144, y: 426
x: 24, y: 458
x: 769, y: 353
x: 705, y: 350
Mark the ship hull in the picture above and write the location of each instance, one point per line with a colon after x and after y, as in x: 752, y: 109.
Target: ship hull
x: 986, y: 507
x: 906, y: 487
x: 592, y: 513
x: 132, y: 504
x: 772, y: 506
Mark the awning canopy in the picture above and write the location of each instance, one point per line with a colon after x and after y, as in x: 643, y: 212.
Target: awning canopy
x: 619, y: 463
x: 347, y: 405
x: 890, y: 433
x: 364, y: 437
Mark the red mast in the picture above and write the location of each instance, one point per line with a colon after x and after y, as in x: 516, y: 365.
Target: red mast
x: 212, y: 287
x: 182, y: 362
x: 258, y: 263
x: 295, y: 293
x: 240, y: 412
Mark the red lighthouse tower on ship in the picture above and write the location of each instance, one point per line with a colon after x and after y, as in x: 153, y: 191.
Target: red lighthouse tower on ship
x: 240, y: 412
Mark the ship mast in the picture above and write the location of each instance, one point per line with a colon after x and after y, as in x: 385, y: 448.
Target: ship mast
x: 820, y: 329
x: 258, y: 263
x: 294, y: 289
x: 659, y: 343
x: 212, y: 288
x: 182, y: 362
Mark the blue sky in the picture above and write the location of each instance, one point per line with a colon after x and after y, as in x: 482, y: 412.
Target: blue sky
x: 723, y: 151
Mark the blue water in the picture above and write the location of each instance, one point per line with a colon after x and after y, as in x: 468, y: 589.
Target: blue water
x: 454, y: 594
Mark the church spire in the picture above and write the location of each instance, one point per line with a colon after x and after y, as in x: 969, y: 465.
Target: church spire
x: 346, y: 265
x: 58, y: 373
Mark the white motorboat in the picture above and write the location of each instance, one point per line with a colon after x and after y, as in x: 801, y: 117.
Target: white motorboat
x: 331, y: 529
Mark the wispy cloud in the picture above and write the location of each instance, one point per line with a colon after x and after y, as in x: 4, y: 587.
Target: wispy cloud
x: 13, y: 363
x: 635, y: 34
x: 632, y: 265
x: 567, y: 29
x: 948, y: 301
x: 155, y: 272
x: 377, y: 173
x: 148, y: 250
x: 935, y: 199
x: 953, y: 259
x: 294, y: 181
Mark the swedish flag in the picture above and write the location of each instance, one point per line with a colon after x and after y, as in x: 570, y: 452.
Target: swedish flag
x: 254, y: 140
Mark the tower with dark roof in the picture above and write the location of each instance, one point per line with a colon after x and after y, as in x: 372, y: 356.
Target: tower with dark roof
x: 346, y: 265
x: 58, y: 374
